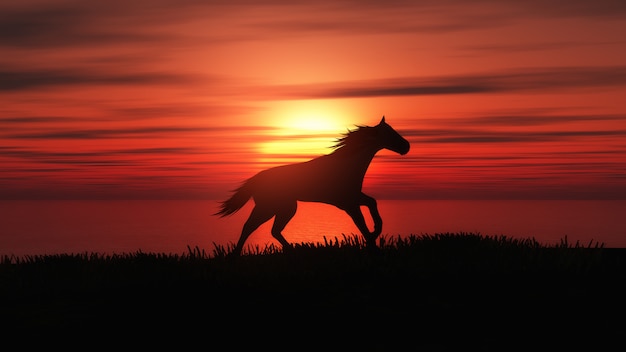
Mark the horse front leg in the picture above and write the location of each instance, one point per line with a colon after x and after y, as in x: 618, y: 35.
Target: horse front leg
x: 372, y: 206
x: 359, y: 220
x: 357, y: 216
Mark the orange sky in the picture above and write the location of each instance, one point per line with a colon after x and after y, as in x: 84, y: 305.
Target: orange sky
x: 185, y: 99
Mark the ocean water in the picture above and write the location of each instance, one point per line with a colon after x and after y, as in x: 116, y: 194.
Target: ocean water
x: 53, y: 227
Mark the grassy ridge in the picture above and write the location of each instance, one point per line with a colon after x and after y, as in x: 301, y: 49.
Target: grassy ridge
x: 431, y: 292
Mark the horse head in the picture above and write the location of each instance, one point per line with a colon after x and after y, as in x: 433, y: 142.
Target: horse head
x: 391, y: 139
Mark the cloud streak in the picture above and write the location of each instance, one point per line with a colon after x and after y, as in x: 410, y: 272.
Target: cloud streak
x: 19, y: 80
x: 79, y: 23
x: 76, y: 23
x: 473, y: 136
x: 533, y: 80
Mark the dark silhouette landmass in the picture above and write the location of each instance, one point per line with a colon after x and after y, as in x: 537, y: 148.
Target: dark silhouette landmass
x: 443, y: 292
x: 335, y: 179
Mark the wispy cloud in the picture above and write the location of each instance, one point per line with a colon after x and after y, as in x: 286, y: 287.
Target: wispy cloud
x: 521, y: 118
x: 134, y: 132
x: 468, y: 136
x: 81, y: 157
x: 520, y: 80
x: 73, y: 22
x: 514, y: 48
x: 140, y: 132
x: 12, y: 121
x: 15, y: 80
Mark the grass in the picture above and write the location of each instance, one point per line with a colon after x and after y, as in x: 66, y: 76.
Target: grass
x: 427, y: 292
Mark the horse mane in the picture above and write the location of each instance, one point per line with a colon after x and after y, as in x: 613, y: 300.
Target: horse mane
x: 359, y: 136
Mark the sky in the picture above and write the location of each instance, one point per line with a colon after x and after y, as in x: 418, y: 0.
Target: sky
x: 184, y: 99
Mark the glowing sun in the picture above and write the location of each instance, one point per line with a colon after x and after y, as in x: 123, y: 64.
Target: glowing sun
x: 305, y: 128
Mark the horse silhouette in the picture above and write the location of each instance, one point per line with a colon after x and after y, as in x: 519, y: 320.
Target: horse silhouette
x: 335, y: 178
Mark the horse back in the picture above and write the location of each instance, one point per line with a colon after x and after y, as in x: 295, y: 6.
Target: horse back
x: 318, y: 180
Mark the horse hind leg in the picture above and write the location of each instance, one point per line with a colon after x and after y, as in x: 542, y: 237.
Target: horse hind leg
x: 284, y: 214
x: 258, y: 216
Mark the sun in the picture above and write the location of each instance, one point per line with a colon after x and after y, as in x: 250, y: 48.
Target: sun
x: 312, y: 122
x: 305, y: 128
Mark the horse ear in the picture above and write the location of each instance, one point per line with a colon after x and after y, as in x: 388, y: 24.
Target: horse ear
x: 383, y: 119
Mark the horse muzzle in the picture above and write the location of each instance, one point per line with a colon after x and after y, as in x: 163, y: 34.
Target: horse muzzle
x: 403, y: 148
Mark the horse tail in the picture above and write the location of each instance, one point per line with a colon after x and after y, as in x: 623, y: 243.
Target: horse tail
x: 236, y: 201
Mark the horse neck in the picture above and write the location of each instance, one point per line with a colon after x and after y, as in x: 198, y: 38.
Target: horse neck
x: 356, y: 160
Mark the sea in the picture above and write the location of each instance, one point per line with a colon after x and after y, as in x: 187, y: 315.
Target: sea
x: 49, y: 227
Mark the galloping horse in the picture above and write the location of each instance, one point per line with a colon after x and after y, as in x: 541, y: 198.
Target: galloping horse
x: 335, y: 178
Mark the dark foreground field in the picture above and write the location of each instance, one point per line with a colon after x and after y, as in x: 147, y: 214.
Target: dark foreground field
x: 431, y: 293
